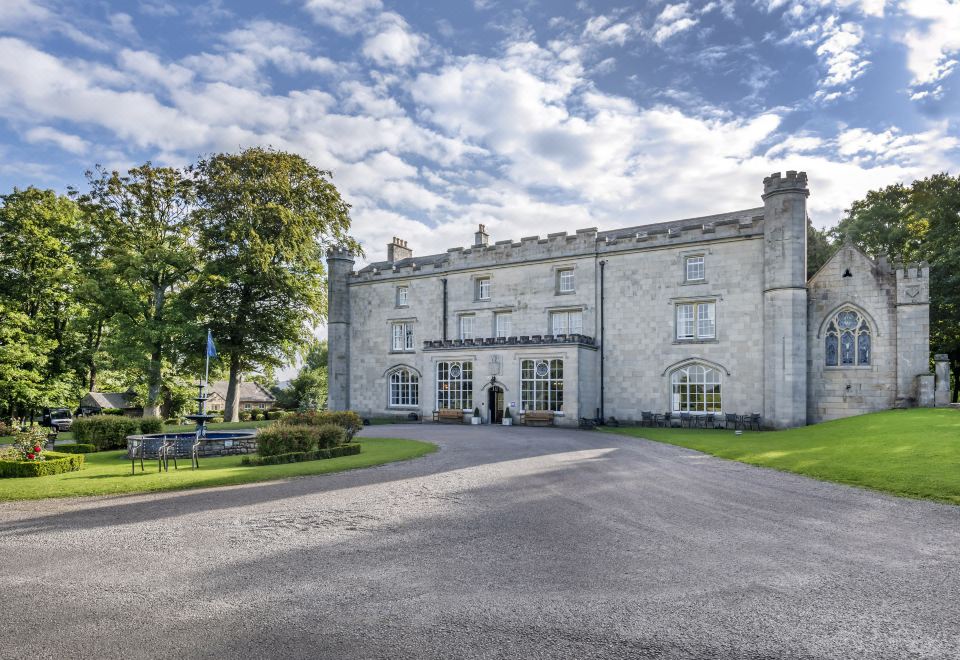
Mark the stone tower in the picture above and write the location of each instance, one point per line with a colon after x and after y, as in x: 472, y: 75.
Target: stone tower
x: 339, y: 266
x: 785, y: 300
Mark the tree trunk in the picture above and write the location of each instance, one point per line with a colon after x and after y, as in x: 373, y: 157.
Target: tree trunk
x: 93, y: 345
x: 152, y: 406
x: 231, y: 411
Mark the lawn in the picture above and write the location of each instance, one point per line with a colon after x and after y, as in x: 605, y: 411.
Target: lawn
x: 108, y: 473
x: 912, y: 453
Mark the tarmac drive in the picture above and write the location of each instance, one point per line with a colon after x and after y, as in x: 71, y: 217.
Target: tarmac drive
x: 507, y: 543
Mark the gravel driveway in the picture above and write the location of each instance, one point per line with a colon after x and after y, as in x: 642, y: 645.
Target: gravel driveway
x: 507, y: 543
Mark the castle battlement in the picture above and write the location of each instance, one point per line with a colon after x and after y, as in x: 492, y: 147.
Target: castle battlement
x: 793, y: 182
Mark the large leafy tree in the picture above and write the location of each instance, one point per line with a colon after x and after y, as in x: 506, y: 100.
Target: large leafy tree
x: 143, y: 233
x: 265, y: 220
x: 39, y: 278
x: 919, y: 222
x: 308, y: 391
x: 819, y: 248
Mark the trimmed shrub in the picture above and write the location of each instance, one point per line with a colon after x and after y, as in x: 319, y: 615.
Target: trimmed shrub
x: 244, y: 415
x: 151, y: 425
x: 105, y: 431
x: 53, y: 463
x: 300, y: 456
x: 290, y: 438
x: 77, y: 448
x: 277, y: 414
x: 217, y: 420
x: 348, y: 420
x: 111, y: 411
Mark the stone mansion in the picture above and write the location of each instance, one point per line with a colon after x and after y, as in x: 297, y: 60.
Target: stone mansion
x: 710, y: 314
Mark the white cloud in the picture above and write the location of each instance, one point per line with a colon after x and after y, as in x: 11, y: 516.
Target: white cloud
x: 672, y: 20
x: 347, y: 17
x: 394, y: 43
x: 604, y: 30
x: 934, y: 43
x: 839, y: 47
x: 70, y: 143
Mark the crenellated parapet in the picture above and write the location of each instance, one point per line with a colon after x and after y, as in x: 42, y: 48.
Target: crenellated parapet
x: 791, y: 183
x: 585, y: 242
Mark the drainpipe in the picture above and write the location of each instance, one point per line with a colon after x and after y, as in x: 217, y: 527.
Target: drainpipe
x: 602, y: 264
x: 444, y: 280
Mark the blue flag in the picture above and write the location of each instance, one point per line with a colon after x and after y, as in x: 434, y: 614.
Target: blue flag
x: 211, y: 349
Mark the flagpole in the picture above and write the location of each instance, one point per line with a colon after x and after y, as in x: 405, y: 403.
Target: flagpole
x: 206, y: 376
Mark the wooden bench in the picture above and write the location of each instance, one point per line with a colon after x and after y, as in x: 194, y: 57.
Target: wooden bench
x: 449, y: 415
x: 538, y: 418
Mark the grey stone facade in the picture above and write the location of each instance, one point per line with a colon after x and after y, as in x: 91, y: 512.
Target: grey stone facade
x: 710, y: 314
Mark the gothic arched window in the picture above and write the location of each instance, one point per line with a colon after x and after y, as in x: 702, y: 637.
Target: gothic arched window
x: 404, y: 388
x: 848, y: 340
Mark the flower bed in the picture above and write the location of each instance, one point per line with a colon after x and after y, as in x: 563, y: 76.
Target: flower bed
x: 52, y: 463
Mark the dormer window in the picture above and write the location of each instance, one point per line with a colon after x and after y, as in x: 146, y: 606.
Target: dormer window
x: 694, y: 268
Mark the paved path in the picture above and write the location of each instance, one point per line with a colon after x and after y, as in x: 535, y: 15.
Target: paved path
x: 508, y: 543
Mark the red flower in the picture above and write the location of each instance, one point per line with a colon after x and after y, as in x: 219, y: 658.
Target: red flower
x: 29, y: 457
x: 37, y: 449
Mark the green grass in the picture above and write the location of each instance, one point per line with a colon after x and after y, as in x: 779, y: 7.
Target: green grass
x: 911, y: 453
x: 108, y: 473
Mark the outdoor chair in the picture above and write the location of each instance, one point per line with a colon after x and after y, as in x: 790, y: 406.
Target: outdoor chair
x: 685, y: 420
x: 668, y: 420
x: 731, y: 418
x: 710, y: 421
x: 646, y: 419
x: 755, y: 421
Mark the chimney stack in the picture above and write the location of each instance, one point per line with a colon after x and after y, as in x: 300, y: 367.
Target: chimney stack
x: 481, y: 238
x: 398, y: 250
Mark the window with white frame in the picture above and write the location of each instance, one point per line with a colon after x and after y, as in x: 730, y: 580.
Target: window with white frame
x: 404, y: 388
x: 848, y: 340
x: 696, y: 389
x: 454, y: 385
x: 565, y: 281
x: 467, y: 324
x: 402, y: 337
x: 541, y: 385
x: 694, y: 268
x: 482, y: 288
x: 504, y: 324
x: 567, y: 322
x: 402, y: 293
x: 247, y: 406
x: 697, y: 320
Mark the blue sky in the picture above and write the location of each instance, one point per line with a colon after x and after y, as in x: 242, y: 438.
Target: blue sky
x: 529, y: 117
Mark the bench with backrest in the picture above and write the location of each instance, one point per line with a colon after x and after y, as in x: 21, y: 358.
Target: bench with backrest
x: 450, y: 415
x: 538, y: 418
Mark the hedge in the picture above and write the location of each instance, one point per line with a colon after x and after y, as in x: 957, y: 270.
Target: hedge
x: 290, y: 438
x: 300, y: 456
x: 348, y: 420
x: 55, y: 463
x: 105, y: 431
x: 77, y: 448
x: 151, y: 425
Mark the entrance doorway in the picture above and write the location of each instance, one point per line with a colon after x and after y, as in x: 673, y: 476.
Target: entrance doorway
x: 495, y: 404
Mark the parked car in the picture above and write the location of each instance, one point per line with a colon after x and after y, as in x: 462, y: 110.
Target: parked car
x: 59, y: 418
